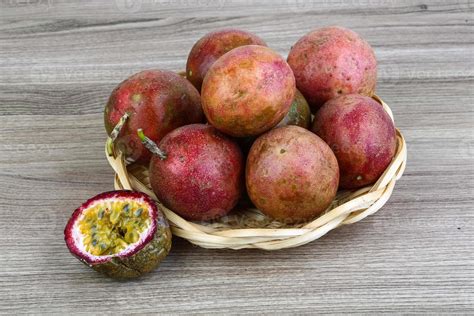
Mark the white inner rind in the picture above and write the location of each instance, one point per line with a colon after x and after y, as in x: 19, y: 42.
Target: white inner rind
x: 78, y: 237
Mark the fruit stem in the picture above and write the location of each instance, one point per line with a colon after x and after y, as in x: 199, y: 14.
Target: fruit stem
x: 151, y: 145
x: 115, y: 132
x: 118, y: 127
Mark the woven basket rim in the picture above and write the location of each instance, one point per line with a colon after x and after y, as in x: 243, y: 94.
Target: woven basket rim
x: 234, y: 231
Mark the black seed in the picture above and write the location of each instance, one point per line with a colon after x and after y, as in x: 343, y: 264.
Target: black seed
x: 138, y: 212
x: 121, y: 232
x: 126, y: 208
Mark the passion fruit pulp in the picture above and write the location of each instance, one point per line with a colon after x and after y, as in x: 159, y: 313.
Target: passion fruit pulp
x: 119, y: 233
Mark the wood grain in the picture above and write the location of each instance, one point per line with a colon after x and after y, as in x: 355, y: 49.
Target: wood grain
x: 59, y: 61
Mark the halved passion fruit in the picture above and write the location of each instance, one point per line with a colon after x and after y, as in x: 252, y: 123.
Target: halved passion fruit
x: 119, y: 233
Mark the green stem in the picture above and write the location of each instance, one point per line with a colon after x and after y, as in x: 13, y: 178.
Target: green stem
x: 151, y: 145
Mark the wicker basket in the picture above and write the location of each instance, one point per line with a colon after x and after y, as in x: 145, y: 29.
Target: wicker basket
x: 249, y: 228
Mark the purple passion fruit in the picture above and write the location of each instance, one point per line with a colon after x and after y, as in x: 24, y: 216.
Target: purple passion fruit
x: 248, y: 91
x: 120, y: 233
x: 212, y: 46
x: 362, y: 136
x: 291, y: 174
x: 197, y: 172
x: 331, y: 61
x: 155, y: 100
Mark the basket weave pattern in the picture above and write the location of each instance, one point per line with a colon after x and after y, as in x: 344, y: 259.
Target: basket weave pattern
x: 249, y: 228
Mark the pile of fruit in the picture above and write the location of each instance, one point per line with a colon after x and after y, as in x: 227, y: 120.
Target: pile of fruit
x: 242, y: 123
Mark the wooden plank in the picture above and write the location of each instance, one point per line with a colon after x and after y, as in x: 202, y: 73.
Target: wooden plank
x: 59, y: 61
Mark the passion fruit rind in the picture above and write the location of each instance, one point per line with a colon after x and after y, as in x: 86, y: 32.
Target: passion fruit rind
x: 144, y: 261
x: 139, y: 255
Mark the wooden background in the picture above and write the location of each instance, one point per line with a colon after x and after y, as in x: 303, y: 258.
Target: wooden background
x: 59, y: 61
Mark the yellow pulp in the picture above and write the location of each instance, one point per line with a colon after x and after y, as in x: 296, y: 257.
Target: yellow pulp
x: 111, y: 226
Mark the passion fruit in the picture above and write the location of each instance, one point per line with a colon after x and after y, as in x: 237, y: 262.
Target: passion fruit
x: 248, y: 91
x: 291, y: 174
x: 157, y: 101
x: 119, y: 233
x: 331, y: 61
x: 212, y: 46
x: 196, y: 171
x: 362, y: 136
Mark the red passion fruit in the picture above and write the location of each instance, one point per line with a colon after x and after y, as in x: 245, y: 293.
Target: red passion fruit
x: 197, y: 172
x: 212, y: 46
x: 331, y: 61
x: 361, y: 134
x: 157, y: 101
x: 291, y: 174
x: 248, y: 91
